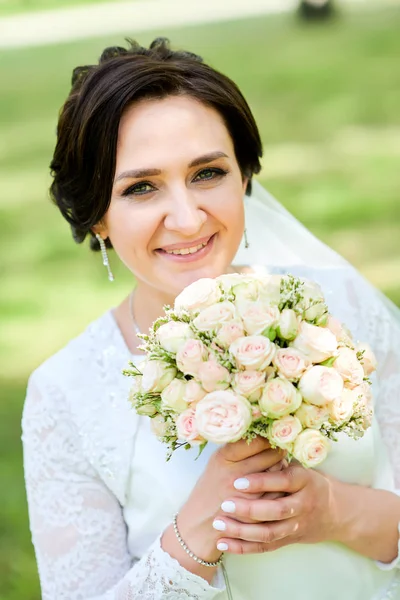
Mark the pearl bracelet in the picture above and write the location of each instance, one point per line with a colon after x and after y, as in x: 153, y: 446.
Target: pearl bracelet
x: 205, y: 563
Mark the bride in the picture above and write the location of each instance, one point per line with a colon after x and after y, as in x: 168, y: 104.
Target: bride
x: 155, y: 157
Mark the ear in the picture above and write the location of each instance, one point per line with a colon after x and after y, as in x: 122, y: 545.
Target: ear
x: 100, y: 229
x: 245, y: 182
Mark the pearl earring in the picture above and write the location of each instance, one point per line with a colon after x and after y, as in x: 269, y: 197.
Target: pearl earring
x: 246, y: 241
x: 104, y: 254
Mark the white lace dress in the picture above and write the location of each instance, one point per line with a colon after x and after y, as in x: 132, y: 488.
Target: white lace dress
x: 100, y: 492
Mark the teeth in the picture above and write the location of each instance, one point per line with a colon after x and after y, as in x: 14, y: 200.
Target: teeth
x: 184, y: 251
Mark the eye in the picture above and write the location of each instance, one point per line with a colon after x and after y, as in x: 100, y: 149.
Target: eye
x: 138, y: 189
x: 209, y: 173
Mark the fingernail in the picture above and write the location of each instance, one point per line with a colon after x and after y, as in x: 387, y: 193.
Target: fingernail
x: 219, y: 525
x: 241, y: 484
x: 222, y: 546
x: 228, y: 506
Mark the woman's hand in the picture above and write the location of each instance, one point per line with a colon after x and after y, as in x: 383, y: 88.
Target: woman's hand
x: 307, y: 513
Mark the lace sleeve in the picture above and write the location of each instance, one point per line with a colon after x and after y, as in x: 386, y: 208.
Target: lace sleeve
x: 77, y: 525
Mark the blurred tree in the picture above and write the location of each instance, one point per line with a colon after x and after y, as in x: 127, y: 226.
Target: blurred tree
x: 316, y: 9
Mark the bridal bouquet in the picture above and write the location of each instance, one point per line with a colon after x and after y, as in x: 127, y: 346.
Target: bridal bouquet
x: 242, y: 356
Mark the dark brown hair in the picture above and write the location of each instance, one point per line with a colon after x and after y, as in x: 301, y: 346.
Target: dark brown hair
x: 83, y: 164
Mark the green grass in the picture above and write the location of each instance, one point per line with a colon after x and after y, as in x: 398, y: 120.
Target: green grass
x: 12, y: 7
x: 326, y: 99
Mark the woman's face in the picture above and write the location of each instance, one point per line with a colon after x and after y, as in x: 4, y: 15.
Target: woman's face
x: 176, y: 211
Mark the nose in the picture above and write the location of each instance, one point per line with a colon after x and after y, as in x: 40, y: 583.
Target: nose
x: 184, y: 215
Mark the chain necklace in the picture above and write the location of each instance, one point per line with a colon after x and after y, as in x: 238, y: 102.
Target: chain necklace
x: 132, y: 314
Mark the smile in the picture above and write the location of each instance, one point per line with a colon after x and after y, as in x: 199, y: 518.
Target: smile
x: 189, y: 253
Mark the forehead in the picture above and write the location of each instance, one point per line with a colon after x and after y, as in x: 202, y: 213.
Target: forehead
x: 172, y: 128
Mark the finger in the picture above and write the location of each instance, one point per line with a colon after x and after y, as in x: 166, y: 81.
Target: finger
x: 266, y: 533
x: 288, y: 480
x: 241, y: 547
x: 242, y: 449
x: 264, y: 509
x: 263, y: 461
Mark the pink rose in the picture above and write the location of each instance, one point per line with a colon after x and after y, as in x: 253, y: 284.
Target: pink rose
x: 198, y: 295
x: 213, y: 376
x: 186, y: 428
x: 320, y: 385
x: 368, y: 360
x: 229, y: 332
x: 249, y: 384
x: 190, y: 356
x: 193, y: 392
x: 342, y: 408
x: 311, y: 448
x: 253, y: 353
x: 349, y: 367
x: 258, y: 317
x: 312, y: 416
x: 284, y: 431
x: 279, y: 398
x: 339, y: 331
x: 212, y: 318
x: 256, y: 412
x: 316, y: 343
x: 290, y: 363
x: 223, y: 417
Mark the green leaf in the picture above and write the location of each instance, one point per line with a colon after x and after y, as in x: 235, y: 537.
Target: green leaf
x: 329, y: 362
x: 201, y: 448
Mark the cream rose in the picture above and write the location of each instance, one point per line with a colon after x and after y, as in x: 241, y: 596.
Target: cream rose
x: 223, y: 417
x: 246, y: 294
x: 313, y: 301
x: 288, y: 326
x: 270, y: 289
x: 290, y: 363
x: 157, y: 374
x: 342, y: 335
x: 228, y: 281
x: 316, y: 343
x: 173, y: 396
x: 365, y: 405
x: 368, y: 360
x: 213, y: 317
x: 349, y: 367
x: 173, y: 335
x: 312, y: 416
x: 198, y: 295
x: 311, y: 448
x: 229, y: 332
x: 213, y: 376
x: 283, y: 432
x: 249, y: 384
x: 256, y: 412
x: 193, y: 392
x: 159, y: 427
x: 253, y: 353
x: 279, y: 398
x: 136, y: 388
x: 190, y: 356
x: 258, y: 317
x: 186, y: 428
x: 146, y: 410
x: 320, y: 385
x: 343, y: 407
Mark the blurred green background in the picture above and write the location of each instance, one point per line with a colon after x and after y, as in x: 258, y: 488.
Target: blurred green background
x: 327, y: 100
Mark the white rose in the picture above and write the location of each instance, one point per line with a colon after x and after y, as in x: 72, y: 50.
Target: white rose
x: 173, y: 396
x: 136, y: 388
x: 288, y: 326
x: 279, y: 398
x: 365, y: 405
x: 246, y: 293
x: 198, y: 295
x: 258, y: 318
x: 313, y: 302
x: 320, y: 385
x: 223, y: 417
x: 283, y: 432
x: 249, y: 384
x: 157, y: 374
x: 312, y: 416
x: 146, y: 410
x: 190, y: 356
x: 159, y: 427
x: 311, y: 448
x: 230, y: 280
x: 253, y: 353
x: 368, y: 360
x: 270, y: 289
x: 193, y: 392
x: 229, y: 332
x: 173, y: 335
x: 213, y: 376
x: 186, y: 428
x: 212, y: 318
x: 349, y: 367
x: 290, y: 363
x: 342, y: 334
x: 343, y: 407
x: 316, y: 343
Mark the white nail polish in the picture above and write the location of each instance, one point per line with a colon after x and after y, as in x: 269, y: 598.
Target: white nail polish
x: 222, y: 547
x: 228, y: 506
x: 241, y: 484
x: 219, y: 525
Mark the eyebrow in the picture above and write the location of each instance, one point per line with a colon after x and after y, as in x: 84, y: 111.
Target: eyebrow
x: 201, y: 160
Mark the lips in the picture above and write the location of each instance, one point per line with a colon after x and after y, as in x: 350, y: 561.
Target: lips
x: 189, y: 252
x: 186, y: 245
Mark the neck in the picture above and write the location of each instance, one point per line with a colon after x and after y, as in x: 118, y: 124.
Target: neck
x: 148, y: 305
